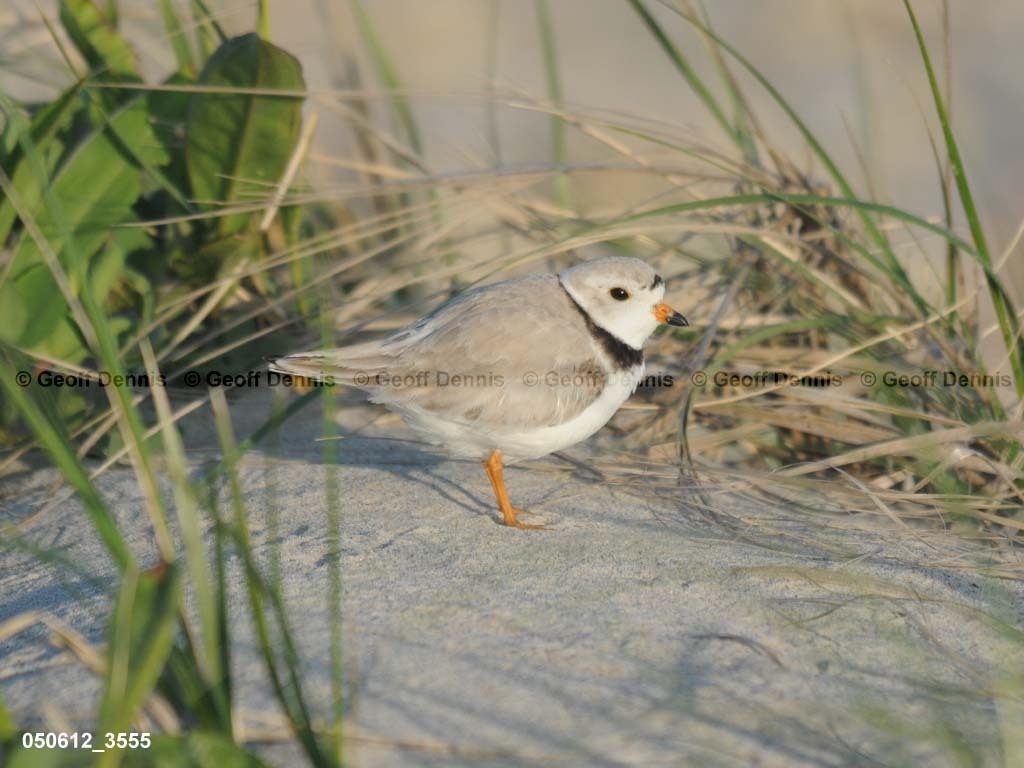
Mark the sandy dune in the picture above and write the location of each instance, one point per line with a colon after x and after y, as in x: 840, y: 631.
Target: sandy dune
x: 632, y: 632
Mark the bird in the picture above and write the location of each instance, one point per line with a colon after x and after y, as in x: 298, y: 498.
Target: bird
x: 512, y: 370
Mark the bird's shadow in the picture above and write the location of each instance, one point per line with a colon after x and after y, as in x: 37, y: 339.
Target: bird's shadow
x: 413, y: 460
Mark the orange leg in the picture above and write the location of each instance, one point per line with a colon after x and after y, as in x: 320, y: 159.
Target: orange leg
x: 497, y: 478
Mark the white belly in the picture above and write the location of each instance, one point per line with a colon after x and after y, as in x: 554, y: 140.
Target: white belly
x: 477, y: 441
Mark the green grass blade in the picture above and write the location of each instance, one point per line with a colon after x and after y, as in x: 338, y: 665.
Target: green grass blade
x: 682, y: 64
x: 95, y: 327
x: 43, y: 130
x: 554, y: 85
x: 187, y: 507
x: 1005, y: 312
x: 177, y: 38
x: 744, y: 122
x: 945, y: 170
x: 263, y: 20
x: 493, y: 133
x: 221, y: 540
x: 287, y: 682
x: 96, y: 37
x: 334, y: 593
x: 144, y: 157
x: 952, y: 254
x: 959, y: 172
x: 273, y: 422
x: 819, y: 151
x: 205, y: 20
x: 59, y: 449
x: 142, y: 631
x: 389, y: 76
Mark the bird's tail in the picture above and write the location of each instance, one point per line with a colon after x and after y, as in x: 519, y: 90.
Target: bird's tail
x: 309, y: 366
x: 357, y: 365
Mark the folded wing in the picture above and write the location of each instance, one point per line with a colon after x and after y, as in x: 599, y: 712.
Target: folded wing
x: 514, y: 355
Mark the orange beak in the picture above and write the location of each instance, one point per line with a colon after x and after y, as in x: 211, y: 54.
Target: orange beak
x: 665, y: 314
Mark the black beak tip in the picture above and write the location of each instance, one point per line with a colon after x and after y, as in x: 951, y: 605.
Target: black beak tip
x: 677, y: 319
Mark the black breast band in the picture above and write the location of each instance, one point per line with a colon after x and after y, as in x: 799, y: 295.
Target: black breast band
x: 623, y: 356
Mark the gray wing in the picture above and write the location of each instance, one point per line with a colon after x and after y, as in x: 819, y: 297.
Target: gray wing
x: 515, y: 354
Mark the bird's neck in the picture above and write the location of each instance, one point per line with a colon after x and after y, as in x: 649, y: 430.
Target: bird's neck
x: 623, y: 356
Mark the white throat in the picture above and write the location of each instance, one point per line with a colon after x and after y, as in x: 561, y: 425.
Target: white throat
x: 633, y: 328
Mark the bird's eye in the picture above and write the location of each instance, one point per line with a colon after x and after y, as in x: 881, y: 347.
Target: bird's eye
x: 619, y: 294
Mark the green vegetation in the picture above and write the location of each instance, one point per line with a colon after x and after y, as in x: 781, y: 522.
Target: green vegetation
x: 172, y: 217
x: 88, y: 175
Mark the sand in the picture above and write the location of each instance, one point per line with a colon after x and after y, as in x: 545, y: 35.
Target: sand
x: 633, y: 632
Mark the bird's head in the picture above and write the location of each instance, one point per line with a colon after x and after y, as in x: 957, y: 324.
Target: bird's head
x: 621, y: 295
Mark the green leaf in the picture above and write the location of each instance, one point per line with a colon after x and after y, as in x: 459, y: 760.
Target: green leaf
x: 36, y: 288
x: 167, y: 110
x: 13, y: 312
x: 233, y: 138
x: 214, y: 259
x: 14, y: 124
x: 142, y: 632
x: 65, y: 342
x: 43, y: 131
x: 95, y: 35
x: 97, y: 329
x: 106, y: 268
x: 95, y: 188
x: 104, y: 271
x: 183, y: 683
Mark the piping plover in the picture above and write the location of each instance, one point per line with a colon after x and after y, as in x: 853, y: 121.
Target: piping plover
x: 513, y: 370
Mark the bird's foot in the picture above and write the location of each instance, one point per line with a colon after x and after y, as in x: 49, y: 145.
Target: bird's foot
x: 494, y: 472
x: 512, y: 522
x: 526, y: 526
